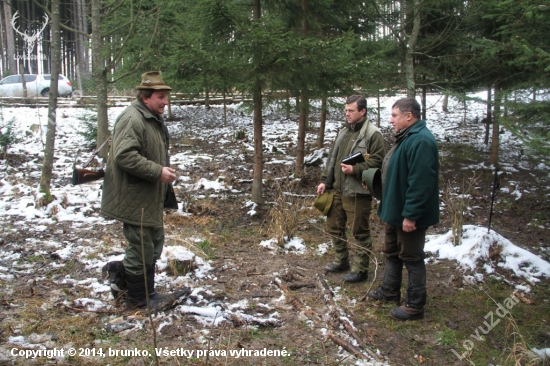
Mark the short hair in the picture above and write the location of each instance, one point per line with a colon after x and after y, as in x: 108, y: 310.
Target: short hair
x: 144, y: 93
x: 359, y: 99
x: 408, y: 105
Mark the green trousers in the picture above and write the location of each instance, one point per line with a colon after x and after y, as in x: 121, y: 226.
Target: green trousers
x: 153, y: 243
x: 354, y: 211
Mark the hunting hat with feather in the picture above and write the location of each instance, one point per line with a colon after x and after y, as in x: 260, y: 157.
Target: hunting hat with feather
x: 152, y: 80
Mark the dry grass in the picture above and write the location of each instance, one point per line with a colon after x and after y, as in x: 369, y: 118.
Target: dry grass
x: 287, y: 214
x: 520, y: 353
x: 456, y: 201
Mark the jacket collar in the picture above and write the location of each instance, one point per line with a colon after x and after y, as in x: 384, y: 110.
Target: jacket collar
x: 414, y: 128
x: 357, y: 126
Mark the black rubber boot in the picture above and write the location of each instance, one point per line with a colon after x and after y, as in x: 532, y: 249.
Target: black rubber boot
x: 415, y: 300
x: 135, y: 291
x: 153, y: 295
x: 416, y: 291
x: 390, y: 290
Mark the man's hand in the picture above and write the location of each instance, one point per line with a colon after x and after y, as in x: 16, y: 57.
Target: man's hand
x: 409, y: 225
x: 347, y: 169
x: 321, y: 188
x: 167, y: 175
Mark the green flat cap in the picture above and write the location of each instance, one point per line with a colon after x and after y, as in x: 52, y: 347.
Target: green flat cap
x: 323, y: 202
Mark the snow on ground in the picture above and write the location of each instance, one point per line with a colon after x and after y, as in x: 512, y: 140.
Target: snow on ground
x: 474, y: 253
x: 79, y: 205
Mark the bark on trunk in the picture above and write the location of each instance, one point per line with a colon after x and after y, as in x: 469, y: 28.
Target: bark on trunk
x: 495, y: 139
x: 424, y: 101
x: 82, y: 56
x: 322, y: 125
x: 257, y: 195
x: 445, y: 104
x: 10, y: 41
x: 47, y: 167
x: 302, y: 124
x: 488, y: 116
x: 100, y: 78
x: 411, y: 47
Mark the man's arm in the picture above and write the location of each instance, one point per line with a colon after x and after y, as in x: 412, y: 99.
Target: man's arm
x: 127, y: 143
x: 167, y: 175
x: 377, y: 152
x: 422, y: 179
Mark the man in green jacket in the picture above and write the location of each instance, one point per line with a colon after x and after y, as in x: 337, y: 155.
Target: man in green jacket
x: 137, y: 177
x: 351, y: 203
x: 410, y: 204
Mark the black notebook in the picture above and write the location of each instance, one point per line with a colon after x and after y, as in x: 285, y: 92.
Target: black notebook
x: 354, y: 159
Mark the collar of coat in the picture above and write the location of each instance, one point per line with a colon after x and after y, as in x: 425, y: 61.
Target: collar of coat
x: 357, y: 126
x: 414, y: 128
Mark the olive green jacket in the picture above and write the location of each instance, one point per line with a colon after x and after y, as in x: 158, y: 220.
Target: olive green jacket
x: 138, y: 152
x: 364, y: 137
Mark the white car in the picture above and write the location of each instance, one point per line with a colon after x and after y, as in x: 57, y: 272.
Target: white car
x: 37, y: 85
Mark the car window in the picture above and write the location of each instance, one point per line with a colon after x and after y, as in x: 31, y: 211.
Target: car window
x: 30, y: 78
x: 47, y: 76
x: 12, y: 79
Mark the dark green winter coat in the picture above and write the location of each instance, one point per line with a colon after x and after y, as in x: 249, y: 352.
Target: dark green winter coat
x: 411, y: 183
x: 137, y: 155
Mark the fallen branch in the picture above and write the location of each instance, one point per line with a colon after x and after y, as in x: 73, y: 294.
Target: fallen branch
x: 355, y: 336
x: 93, y: 311
x: 299, y: 285
x: 292, y: 300
x: 348, y: 347
x: 329, y: 296
x: 327, y: 291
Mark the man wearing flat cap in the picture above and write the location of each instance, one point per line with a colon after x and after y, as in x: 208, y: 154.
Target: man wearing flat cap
x: 137, y: 179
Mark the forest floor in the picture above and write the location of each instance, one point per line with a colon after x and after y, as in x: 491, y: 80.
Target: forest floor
x: 290, y: 306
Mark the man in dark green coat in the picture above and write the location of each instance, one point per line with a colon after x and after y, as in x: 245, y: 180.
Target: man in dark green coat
x: 351, y: 204
x: 137, y: 177
x: 410, y: 204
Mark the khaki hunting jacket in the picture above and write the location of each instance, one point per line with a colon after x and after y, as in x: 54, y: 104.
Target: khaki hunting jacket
x: 364, y: 138
x: 138, y: 152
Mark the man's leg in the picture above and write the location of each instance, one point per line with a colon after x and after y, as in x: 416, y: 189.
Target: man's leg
x: 336, y: 227
x: 358, y: 210
x: 133, y: 262
x: 390, y: 290
x: 412, y: 255
x: 158, y: 245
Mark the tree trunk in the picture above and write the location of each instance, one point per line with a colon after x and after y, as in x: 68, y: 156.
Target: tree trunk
x: 287, y: 104
x: 100, y: 78
x: 322, y: 125
x: 488, y: 117
x: 82, y: 70
x: 411, y: 47
x: 257, y: 195
x: 170, y: 116
x: 495, y: 140
x: 378, y: 106
x: 424, y: 102
x: 302, y: 124
x: 10, y: 42
x: 445, y: 104
x: 23, y: 81
x: 224, y: 107
x: 47, y: 167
